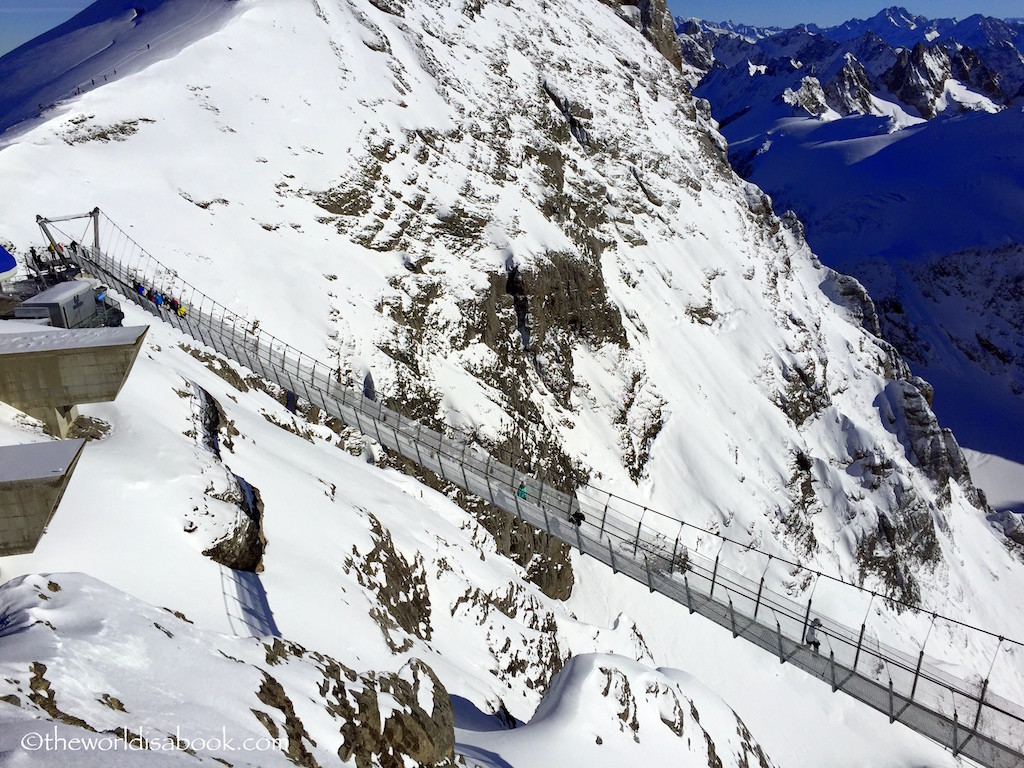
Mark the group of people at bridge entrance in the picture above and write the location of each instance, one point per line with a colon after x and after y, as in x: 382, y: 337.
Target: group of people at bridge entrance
x: 161, y: 299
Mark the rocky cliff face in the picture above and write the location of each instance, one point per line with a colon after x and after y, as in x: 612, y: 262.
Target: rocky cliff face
x: 849, y: 92
x: 919, y: 77
x: 851, y: 70
x: 655, y: 21
x: 271, y: 696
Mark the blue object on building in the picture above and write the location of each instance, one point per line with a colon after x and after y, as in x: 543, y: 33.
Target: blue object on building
x: 8, y: 266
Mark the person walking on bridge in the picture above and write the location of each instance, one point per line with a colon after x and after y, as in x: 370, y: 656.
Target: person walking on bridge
x: 811, y: 637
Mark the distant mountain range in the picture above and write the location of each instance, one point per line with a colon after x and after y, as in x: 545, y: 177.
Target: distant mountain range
x: 895, y: 55
x: 897, y: 140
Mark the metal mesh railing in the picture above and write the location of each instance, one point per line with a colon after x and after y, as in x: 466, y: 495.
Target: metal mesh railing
x: 912, y: 689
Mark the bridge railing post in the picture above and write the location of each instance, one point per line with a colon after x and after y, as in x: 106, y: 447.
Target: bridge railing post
x: 892, y: 703
x: 487, y: 477
x: 639, y: 525
x: 675, y: 547
x: 604, y: 515
x: 920, y: 659
x: 714, y: 575
x: 860, y: 640
x: 956, y: 736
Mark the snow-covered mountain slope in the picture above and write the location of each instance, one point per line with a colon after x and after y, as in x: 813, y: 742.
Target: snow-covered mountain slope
x: 826, y: 121
x: 367, y: 567
x: 90, y: 658
x: 537, y: 241
x: 897, y: 26
x: 958, y: 319
x: 110, y: 39
x: 869, y: 196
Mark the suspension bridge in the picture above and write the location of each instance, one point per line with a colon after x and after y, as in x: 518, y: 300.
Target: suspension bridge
x: 965, y: 717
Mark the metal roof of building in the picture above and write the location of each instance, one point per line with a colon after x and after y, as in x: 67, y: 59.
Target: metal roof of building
x: 20, y: 337
x: 37, y: 461
x: 60, y: 292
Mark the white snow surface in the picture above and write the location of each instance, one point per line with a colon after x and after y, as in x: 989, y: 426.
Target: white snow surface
x: 21, y: 337
x: 213, y: 158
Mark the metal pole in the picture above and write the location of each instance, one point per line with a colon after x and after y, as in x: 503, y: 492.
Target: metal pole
x: 611, y: 554
x: 807, y: 615
x: 732, y: 616
x: 636, y: 541
x: 864, y: 624
x: 832, y: 665
x: 647, y: 565
x: 956, y: 738
x: 761, y: 586
x: 604, y: 515
x: 416, y: 445
x: 860, y: 639
x: 689, y: 598
x: 487, y: 476
x: 462, y: 465
x: 714, y: 575
x: 672, y: 562
x: 778, y: 635
x: 892, y: 705
x: 917, y: 672
x: 981, y: 700
x: 96, y: 228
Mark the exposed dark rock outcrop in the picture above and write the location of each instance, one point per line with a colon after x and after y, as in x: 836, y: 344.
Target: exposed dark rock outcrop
x: 403, y: 600
x: 408, y: 731
x: 850, y: 293
x: 656, y: 23
x: 934, y: 449
x: 696, y: 46
x: 966, y: 67
x: 242, y: 549
x: 849, y: 92
x: 546, y: 560
x: 919, y: 77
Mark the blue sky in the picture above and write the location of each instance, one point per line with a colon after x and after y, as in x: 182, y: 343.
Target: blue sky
x: 21, y: 20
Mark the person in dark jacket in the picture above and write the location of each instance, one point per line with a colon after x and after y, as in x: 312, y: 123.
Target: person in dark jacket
x: 811, y: 637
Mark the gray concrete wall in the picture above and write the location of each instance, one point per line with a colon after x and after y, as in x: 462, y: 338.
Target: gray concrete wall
x: 52, y: 378
x: 26, y: 507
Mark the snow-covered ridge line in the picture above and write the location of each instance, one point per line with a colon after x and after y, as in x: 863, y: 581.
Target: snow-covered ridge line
x: 643, y: 553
